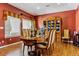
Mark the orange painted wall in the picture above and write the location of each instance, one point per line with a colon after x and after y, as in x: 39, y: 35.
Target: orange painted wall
x: 7, y: 7
x: 68, y: 19
x: 1, y: 22
x: 77, y: 19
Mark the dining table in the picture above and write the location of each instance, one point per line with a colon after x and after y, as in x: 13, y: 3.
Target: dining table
x: 30, y: 41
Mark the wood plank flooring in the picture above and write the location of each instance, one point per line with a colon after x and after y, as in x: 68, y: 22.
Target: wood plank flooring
x: 6, y: 50
x: 65, y: 49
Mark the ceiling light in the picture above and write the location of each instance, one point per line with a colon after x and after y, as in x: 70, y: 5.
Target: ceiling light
x: 47, y: 5
x: 58, y: 3
x: 38, y: 8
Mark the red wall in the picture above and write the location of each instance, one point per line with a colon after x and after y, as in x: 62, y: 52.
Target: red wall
x: 1, y: 22
x: 7, y: 7
x: 77, y: 19
x: 68, y: 19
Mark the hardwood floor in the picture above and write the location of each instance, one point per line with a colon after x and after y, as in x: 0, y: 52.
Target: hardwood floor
x: 5, y: 50
x: 65, y: 49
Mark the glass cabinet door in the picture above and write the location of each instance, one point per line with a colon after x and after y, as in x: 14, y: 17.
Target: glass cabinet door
x: 58, y: 25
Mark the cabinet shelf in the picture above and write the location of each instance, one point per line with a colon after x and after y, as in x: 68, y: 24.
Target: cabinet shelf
x: 53, y: 24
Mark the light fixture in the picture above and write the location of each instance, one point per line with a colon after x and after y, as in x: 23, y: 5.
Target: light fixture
x: 48, y: 5
x: 38, y: 7
x: 58, y: 3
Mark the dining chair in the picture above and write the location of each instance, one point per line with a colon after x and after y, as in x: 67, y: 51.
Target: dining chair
x: 45, y: 38
x: 52, y: 41
x: 27, y: 35
x: 46, y: 34
x: 66, y: 36
x: 40, y: 47
x: 24, y: 33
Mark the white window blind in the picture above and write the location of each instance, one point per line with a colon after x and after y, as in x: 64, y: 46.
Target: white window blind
x: 12, y: 27
x: 26, y: 24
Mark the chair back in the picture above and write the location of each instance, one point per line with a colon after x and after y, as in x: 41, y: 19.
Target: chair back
x: 50, y: 37
x: 53, y: 36
x: 46, y: 36
x: 24, y: 33
x: 66, y: 33
x: 29, y: 33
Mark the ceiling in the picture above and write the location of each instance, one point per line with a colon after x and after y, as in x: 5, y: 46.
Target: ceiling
x: 44, y: 8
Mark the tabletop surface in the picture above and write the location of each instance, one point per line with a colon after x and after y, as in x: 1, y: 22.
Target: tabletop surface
x: 33, y: 38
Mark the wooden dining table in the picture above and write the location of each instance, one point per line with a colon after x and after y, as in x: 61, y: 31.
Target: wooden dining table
x: 30, y: 42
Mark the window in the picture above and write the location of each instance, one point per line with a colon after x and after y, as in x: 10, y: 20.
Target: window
x: 12, y: 27
x: 26, y: 24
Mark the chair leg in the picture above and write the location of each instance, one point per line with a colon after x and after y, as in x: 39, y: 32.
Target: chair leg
x: 37, y: 52
x: 23, y: 49
x: 28, y: 48
x: 40, y: 52
x: 47, y: 52
x: 53, y: 49
x: 44, y: 52
x: 31, y: 48
x: 50, y: 50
